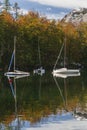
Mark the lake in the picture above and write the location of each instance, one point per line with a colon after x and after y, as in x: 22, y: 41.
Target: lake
x: 43, y: 102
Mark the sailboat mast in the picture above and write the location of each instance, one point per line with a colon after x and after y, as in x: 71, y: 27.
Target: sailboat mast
x: 39, y: 52
x: 15, y: 97
x: 58, y: 56
x: 14, y: 50
x: 65, y: 94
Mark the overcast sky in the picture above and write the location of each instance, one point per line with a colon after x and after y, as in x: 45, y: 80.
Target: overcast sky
x: 55, y: 9
x: 63, y: 3
x: 57, y: 3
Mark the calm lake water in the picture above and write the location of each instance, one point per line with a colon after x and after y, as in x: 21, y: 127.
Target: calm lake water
x: 36, y: 101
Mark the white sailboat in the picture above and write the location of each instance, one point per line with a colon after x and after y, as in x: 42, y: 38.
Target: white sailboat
x: 62, y: 75
x: 40, y: 70
x: 15, y: 72
x: 64, y: 72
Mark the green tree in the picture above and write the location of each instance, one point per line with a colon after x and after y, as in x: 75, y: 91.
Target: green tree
x: 7, y: 5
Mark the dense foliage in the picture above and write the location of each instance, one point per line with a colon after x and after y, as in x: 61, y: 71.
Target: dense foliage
x: 31, y: 29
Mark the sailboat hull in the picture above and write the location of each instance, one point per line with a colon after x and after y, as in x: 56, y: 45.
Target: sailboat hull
x: 64, y: 72
x: 16, y: 73
x: 66, y: 75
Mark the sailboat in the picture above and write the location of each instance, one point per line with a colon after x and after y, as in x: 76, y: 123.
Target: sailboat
x: 40, y: 70
x: 64, y: 72
x: 15, y: 72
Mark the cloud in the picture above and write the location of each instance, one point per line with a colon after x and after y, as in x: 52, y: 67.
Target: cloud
x: 63, y: 3
x: 49, y: 10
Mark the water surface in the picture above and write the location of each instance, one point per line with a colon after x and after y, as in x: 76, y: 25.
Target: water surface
x: 43, y: 102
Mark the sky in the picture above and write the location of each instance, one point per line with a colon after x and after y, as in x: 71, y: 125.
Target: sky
x: 65, y: 121
x: 53, y: 9
x: 63, y: 3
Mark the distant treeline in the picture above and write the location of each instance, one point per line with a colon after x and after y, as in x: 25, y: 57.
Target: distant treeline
x: 32, y: 29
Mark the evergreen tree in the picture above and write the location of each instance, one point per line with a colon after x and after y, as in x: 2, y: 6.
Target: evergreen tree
x: 16, y: 8
x: 7, y: 5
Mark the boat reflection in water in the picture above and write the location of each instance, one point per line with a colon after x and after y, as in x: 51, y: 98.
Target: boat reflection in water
x: 40, y: 113
x: 77, y: 112
x: 18, y: 122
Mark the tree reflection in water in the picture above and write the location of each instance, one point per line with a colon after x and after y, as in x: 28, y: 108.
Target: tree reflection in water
x: 39, y: 101
x: 77, y: 110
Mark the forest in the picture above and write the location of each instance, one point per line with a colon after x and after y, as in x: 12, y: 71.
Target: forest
x: 30, y: 29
